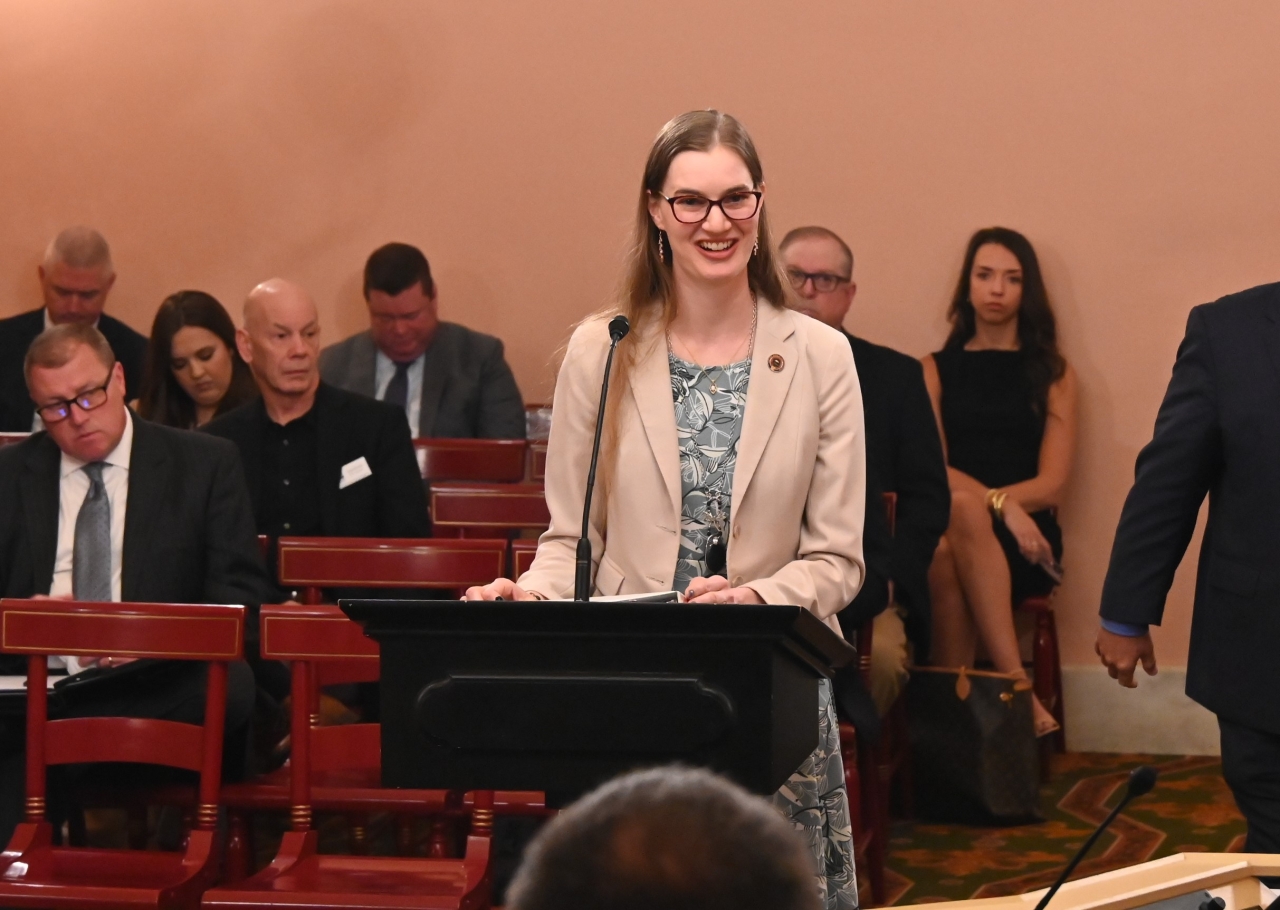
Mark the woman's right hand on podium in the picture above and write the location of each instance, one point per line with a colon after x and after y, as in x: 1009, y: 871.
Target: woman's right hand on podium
x: 498, y: 589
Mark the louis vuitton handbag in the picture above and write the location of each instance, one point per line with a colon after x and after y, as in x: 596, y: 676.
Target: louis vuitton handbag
x: 973, y: 748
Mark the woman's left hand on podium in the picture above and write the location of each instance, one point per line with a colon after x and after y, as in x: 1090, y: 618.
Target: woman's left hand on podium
x: 716, y: 590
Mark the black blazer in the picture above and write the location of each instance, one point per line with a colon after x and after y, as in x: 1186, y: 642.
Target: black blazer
x: 390, y: 503
x: 1217, y: 433
x: 188, y: 533
x: 467, y: 388
x: 16, y: 335
x: 904, y: 455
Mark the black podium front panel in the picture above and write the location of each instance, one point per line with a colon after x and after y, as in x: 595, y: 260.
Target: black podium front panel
x: 561, y: 696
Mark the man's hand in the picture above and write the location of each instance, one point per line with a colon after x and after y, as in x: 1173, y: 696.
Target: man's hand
x: 1121, y: 653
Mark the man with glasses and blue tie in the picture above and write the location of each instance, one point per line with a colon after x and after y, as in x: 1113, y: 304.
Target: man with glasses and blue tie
x: 103, y: 506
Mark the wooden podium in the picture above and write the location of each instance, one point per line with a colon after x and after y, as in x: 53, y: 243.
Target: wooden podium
x: 561, y: 696
x: 1180, y: 882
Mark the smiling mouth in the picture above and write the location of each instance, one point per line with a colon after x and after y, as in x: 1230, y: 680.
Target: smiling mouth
x: 716, y: 246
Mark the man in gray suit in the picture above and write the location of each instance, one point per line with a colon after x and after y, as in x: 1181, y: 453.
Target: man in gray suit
x: 450, y: 380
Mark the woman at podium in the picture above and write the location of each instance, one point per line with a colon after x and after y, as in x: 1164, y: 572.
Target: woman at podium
x: 732, y: 461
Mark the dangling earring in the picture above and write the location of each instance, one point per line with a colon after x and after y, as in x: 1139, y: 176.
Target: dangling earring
x: 756, y: 248
x: 662, y: 252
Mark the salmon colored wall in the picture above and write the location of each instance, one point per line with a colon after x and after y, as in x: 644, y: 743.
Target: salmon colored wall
x: 217, y: 144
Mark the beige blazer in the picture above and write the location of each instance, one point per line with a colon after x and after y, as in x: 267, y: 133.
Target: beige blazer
x: 798, y: 487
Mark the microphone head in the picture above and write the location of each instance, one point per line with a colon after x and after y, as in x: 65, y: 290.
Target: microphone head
x: 1141, y: 780
x: 618, y: 328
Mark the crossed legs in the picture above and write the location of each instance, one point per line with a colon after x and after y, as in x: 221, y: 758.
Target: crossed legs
x: 972, y: 597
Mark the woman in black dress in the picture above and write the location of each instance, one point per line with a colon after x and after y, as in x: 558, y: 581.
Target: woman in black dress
x: 1006, y: 405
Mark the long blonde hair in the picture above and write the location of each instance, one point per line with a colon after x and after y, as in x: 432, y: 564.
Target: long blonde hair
x: 647, y: 291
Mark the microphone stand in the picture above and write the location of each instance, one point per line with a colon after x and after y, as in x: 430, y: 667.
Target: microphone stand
x: 618, y: 328
x: 1141, y: 780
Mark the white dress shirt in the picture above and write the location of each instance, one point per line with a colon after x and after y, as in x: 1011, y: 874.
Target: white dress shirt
x: 385, y: 370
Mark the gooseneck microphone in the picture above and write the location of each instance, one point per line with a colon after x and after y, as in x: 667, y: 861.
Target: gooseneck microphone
x: 618, y: 328
x: 1141, y: 780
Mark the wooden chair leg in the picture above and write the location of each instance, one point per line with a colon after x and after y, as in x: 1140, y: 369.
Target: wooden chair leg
x: 404, y: 835
x: 440, y: 845
x: 852, y: 778
x: 358, y: 835
x: 1059, y: 713
x: 239, y: 860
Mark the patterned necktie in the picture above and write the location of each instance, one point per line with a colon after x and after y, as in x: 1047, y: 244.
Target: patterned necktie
x: 91, y: 557
x: 398, y: 388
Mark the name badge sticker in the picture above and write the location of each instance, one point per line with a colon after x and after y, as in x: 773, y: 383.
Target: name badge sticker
x: 354, y: 472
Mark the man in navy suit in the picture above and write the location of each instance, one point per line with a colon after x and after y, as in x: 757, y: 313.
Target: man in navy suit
x: 1217, y: 434
x: 75, y: 277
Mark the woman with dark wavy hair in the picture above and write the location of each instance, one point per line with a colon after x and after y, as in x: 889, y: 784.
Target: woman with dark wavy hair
x: 194, y: 372
x: 1005, y: 400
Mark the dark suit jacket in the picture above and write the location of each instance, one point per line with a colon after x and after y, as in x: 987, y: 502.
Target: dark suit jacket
x: 467, y: 388
x: 904, y: 456
x: 188, y: 534
x: 1217, y: 433
x: 390, y: 503
x: 16, y: 335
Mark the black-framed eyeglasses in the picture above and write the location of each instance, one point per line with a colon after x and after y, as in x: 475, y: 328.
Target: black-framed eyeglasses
x: 690, y: 208
x: 823, y: 282
x: 85, y: 401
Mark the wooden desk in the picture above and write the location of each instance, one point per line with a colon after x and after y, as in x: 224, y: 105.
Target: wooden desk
x: 1231, y: 876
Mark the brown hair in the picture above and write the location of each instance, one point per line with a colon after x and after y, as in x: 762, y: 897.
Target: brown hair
x: 666, y: 839
x: 163, y: 400
x: 647, y: 292
x: 1037, y: 329
x: 56, y: 345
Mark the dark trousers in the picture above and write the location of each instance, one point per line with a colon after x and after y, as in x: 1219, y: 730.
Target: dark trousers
x: 1251, y: 767
x: 177, y: 696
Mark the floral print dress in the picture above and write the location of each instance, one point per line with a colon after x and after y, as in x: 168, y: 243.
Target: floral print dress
x: 709, y: 405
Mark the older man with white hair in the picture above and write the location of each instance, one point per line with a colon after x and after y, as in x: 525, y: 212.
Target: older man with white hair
x: 76, y: 275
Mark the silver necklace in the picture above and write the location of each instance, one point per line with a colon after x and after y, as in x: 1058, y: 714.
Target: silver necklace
x: 751, y: 346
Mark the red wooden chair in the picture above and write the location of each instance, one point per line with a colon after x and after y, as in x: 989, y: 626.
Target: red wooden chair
x: 866, y: 776
x: 482, y: 460
x: 538, y: 461
x: 522, y: 553
x: 338, y: 767
x: 1046, y: 673
x: 33, y: 873
x: 487, y: 510
x: 9, y: 439
x: 314, y: 563
x: 347, y: 767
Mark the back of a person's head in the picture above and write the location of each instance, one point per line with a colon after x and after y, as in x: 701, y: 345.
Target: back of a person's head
x: 667, y: 839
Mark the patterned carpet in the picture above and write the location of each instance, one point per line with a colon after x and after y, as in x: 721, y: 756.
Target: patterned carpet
x: 1190, y: 810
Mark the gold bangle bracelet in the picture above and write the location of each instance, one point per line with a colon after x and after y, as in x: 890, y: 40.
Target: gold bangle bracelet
x: 995, y: 502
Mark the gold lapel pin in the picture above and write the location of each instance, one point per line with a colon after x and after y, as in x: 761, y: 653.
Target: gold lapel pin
x: 776, y: 363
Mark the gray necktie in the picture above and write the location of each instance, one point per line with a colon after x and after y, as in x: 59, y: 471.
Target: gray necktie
x: 91, y: 558
x: 398, y: 388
